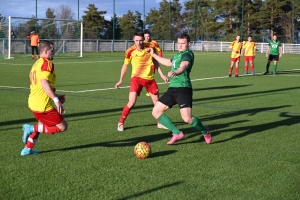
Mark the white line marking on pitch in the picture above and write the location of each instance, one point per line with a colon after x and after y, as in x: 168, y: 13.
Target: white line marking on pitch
x: 69, y: 62
x: 104, y: 89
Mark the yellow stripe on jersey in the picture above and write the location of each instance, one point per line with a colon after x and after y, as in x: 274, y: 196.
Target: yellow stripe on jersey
x: 236, y: 46
x: 38, y: 100
x: 141, y: 62
x: 249, y: 48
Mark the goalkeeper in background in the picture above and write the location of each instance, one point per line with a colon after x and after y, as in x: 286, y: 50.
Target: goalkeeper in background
x: 34, y: 40
x: 148, y: 42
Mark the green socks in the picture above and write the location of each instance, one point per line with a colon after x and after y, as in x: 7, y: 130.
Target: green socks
x: 274, y: 68
x: 166, y: 121
x: 198, y: 125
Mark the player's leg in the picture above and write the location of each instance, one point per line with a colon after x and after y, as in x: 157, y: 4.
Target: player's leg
x: 185, y: 102
x: 231, y: 66
x: 152, y: 88
x: 237, y: 67
x: 165, y: 102
x: 49, y: 123
x: 37, y: 52
x: 276, y: 59
x: 246, y: 64
x: 32, y: 52
x: 268, y: 64
x: 251, y: 61
x: 126, y: 110
x: 135, y: 89
x: 158, y: 113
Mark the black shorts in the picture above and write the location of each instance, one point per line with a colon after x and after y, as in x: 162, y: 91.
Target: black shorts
x: 181, y: 96
x: 275, y: 57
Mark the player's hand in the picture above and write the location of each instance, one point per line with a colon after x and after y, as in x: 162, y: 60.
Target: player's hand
x: 165, y: 79
x: 150, y: 50
x: 59, y: 107
x: 280, y: 55
x: 118, y: 84
x: 61, y: 98
x: 267, y: 55
x: 172, y: 74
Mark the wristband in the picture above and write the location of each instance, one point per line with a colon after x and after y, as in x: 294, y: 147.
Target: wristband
x: 55, y: 99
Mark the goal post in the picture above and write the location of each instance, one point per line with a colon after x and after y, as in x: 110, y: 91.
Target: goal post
x: 67, y: 36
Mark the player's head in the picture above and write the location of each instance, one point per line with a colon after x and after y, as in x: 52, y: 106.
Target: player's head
x: 147, y: 36
x: 249, y: 38
x: 274, y: 37
x: 183, y: 42
x: 238, y: 37
x: 138, y: 38
x: 32, y: 32
x: 46, y: 49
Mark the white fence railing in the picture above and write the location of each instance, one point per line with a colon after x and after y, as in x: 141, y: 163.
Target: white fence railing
x: 22, y: 46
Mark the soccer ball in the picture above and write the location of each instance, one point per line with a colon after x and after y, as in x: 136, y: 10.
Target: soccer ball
x: 142, y: 150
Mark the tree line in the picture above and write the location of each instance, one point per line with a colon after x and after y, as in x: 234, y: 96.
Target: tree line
x: 202, y: 19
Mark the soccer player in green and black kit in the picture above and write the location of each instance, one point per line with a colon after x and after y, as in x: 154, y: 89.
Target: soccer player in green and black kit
x: 179, y: 92
x: 275, y: 50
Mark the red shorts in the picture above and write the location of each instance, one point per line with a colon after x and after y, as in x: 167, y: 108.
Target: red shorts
x: 235, y: 59
x: 50, y: 118
x: 137, y: 84
x: 248, y: 58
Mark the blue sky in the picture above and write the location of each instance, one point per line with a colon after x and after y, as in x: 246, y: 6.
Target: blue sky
x: 27, y: 8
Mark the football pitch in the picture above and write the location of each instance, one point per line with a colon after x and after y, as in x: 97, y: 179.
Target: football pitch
x: 254, y: 121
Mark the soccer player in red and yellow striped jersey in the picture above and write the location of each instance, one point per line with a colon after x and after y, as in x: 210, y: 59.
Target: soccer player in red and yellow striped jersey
x: 152, y: 43
x: 249, y: 52
x: 148, y: 42
x: 42, y: 93
x: 142, y: 75
x: 235, y: 47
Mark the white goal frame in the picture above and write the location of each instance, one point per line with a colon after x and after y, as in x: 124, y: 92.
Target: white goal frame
x: 66, y: 20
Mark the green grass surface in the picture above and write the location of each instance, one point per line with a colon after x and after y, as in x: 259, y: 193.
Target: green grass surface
x: 254, y: 121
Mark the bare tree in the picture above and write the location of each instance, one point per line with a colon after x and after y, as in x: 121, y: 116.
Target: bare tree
x: 64, y: 12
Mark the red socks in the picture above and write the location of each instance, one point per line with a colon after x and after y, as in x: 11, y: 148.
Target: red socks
x: 42, y: 128
x: 125, y: 113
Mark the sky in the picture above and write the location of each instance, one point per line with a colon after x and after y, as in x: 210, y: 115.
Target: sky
x: 27, y: 8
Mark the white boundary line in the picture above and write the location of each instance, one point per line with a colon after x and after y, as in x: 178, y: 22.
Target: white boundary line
x: 104, y: 89
x: 69, y: 62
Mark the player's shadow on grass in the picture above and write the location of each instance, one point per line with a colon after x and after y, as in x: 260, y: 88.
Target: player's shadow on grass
x: 192, y: 132
x: 119, y: 143
x: 288, y: 120
x: 140, y: 194
x: 220, y: 88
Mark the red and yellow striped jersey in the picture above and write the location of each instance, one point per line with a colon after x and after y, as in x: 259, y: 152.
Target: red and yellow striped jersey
x: 38, y: 99
x: 249, y: 48
x: 236, y: 46
x: 141, y: 62
x: 155, y: 46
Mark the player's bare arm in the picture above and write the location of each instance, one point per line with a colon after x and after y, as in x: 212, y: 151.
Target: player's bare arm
x: 280, y: 51
x: 163, y: 77
x: 49, y: 91
x: 123, y: 72
x: 184, y: 65
x: 164, y: 61
x: 267, y: 52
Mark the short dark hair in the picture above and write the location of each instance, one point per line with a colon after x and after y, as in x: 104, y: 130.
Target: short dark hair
x: 45, y: 45
x: 139, y: 33
x: 184, y: 36
x: 147, y: 32
x: 250, y: 36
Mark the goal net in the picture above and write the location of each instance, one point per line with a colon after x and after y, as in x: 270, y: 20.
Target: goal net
x: 65, y: 34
